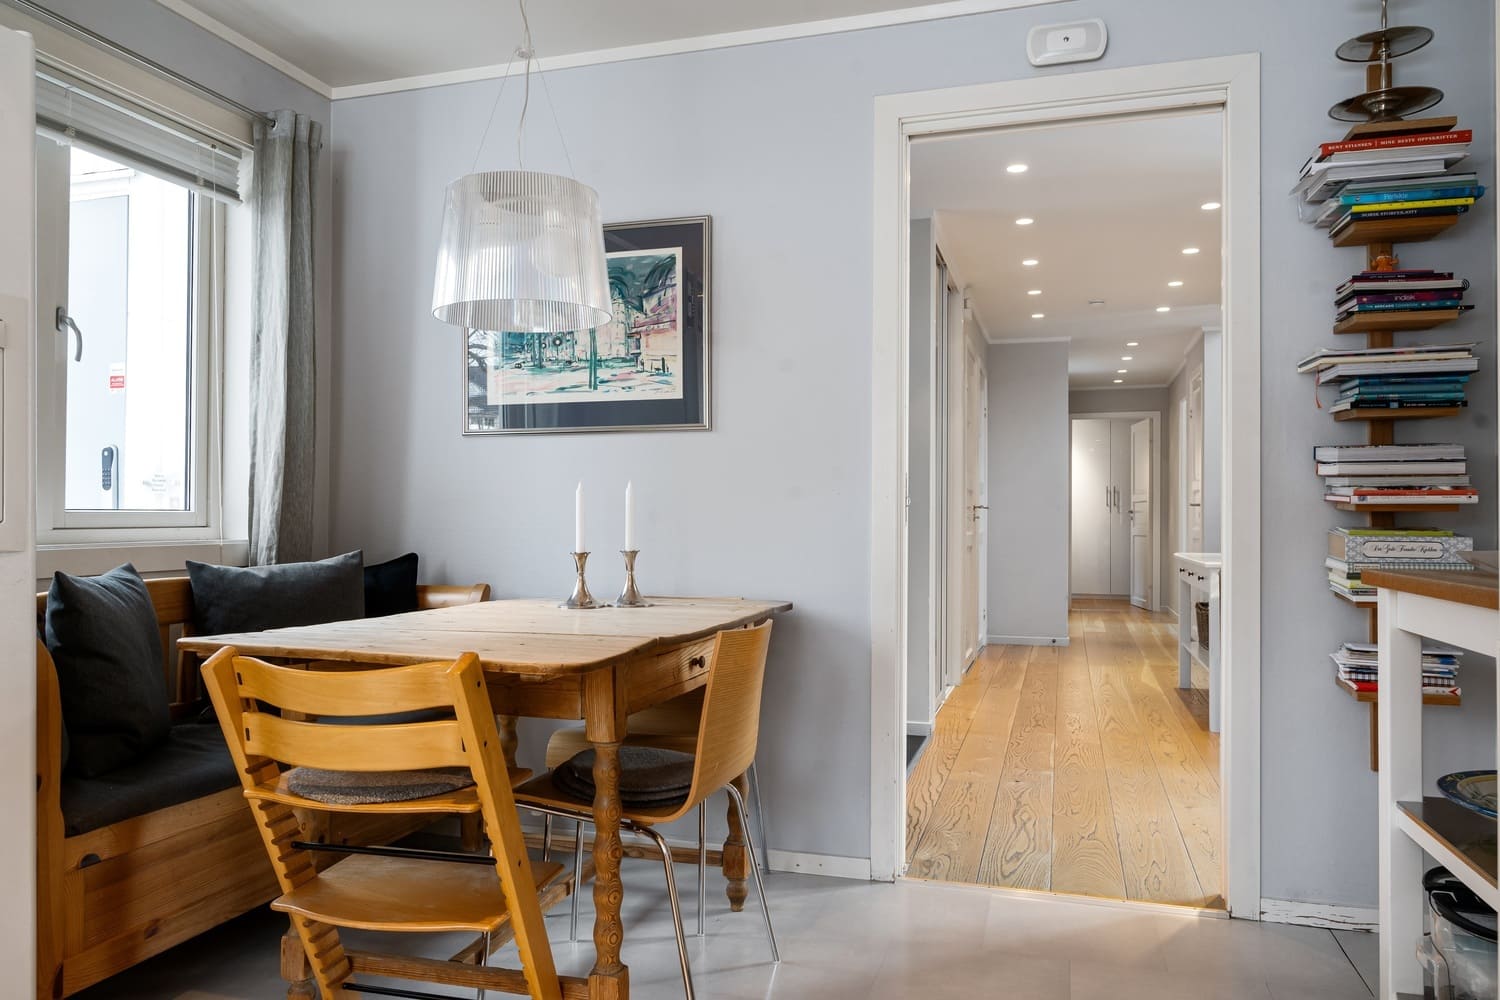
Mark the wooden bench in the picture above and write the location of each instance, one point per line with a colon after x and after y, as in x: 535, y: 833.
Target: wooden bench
x: 117, y: 894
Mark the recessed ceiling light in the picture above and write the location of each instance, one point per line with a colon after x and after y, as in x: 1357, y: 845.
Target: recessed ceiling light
x: 1174, y: 284
x: 1017, y: 168
x: 1210, y: 206
x: 1118, y: 381
x: 1029, y: 262
x: 1034, y: 291
x: 1189, y: 250
x: 1122, y: 371
x: 1024, y: 221
x: 1038, y: 315
x: 1132, y: 343
x: 1126, y: 357
x: 1163, y: 309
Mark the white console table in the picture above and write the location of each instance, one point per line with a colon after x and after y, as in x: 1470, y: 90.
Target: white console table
x: 1461, y: 609
x: 1198, y: 573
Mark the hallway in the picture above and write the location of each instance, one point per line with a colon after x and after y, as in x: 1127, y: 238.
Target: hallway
x: 1077, y: 769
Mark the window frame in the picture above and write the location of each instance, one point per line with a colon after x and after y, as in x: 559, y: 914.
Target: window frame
x: 203, y: 520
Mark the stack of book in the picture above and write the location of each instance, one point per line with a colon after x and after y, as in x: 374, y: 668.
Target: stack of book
x: 1358, y: 664
x: 1402, y: 182
x: 1421, y: 296
x: 1405, y: 379
x: 1351, y: 551
x: 1372, y: 476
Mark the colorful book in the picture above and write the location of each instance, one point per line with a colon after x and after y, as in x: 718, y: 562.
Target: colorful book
x: 1372, y: 298
x: 1393, y: 213
x: 1433, y: 190
x: 1352, y: 569
x: 1389, y: 453
x: 1449, y: 303
x: 1371, y: 210
x: 1347, y: 405
x: 1397, y: 382
x: 1343, y: 371
x: 1388, y: 141
x: 1370, y: 285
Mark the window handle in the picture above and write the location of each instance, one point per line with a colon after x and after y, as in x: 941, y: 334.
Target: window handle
x: 64, y: 324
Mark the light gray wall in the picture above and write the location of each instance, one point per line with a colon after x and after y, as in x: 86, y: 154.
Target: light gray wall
x: 776, y: 142
x: 1084, y: 401
x: 1028, y: 456
x: 1176, y: 513
x: 155, y: 32
x: 920, y: 703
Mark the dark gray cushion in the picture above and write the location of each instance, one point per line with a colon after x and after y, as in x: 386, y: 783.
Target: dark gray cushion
x: 391, y: 587
x: 649, y: 778
x: 190, y: 763
x: 348, y: 788
x: 231, y: 599
x: 102, y: 634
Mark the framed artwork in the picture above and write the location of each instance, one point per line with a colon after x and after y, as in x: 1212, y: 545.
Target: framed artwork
x: 647, y: 369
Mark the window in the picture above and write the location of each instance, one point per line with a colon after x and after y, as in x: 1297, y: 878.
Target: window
x: 126, y: 434
x: 132, y: 210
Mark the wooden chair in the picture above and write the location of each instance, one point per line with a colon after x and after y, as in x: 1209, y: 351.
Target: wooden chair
x: 725, y: 747
x: 387, y: 888
x: 672, y: 725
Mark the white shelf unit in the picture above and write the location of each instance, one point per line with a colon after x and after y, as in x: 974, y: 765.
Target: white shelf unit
x: 1412, y: 822
x: 1198, y: 572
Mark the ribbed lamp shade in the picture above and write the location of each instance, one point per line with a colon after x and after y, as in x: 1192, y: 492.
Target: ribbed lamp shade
x: 521, y: 252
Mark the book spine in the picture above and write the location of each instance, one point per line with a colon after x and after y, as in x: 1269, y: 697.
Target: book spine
x: 1410, y: 212
x: 1395, y: 142
x: 1373, y: 211
x: 1398, y: 306
x: 1421, y: 194
x: 1433, y: 296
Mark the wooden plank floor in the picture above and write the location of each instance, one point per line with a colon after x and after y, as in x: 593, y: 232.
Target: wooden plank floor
x: 1079, y: 769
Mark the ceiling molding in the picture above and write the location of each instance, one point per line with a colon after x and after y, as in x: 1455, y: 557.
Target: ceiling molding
x: 1028, y: 340
x: 1113, y: 388
x: 626, y: 53
x: 185, y: 10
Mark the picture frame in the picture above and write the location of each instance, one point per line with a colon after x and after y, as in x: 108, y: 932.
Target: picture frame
x: 648, y: 369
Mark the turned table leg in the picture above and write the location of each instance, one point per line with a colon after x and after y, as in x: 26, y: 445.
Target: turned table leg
x: 609, y: 979
x: 736, y: 858
x: 295, y: 969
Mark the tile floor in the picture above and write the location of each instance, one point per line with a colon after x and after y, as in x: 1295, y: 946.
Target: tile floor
x: 870, y: 941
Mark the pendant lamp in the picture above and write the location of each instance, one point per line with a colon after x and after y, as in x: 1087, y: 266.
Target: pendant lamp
x: 521, y: 251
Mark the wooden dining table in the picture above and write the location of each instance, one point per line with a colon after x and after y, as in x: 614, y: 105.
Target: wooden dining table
x: 542, y: 660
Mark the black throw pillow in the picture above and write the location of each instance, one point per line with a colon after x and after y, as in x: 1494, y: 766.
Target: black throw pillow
x: 391, y: 587
x: 255, y: 598
x: 102, y: 634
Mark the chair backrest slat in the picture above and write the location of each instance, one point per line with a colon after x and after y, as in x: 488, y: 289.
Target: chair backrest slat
x: 409, y: 747
x: 313, y: 692
x: 731, y: 709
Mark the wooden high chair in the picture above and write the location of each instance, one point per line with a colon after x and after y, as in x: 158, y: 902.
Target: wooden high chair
x: 388, y: 888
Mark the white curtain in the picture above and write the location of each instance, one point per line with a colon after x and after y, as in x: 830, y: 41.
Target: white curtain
x: 283, y: 339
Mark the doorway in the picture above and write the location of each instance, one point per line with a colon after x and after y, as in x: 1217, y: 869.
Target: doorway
x: 1114, y: 458
x: 1226, y: 84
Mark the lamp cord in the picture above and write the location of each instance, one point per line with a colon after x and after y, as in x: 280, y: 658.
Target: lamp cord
x: 526, y: 51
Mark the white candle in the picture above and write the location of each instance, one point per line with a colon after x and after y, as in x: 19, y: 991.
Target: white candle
x: 578, y: 519
x: 630, y: 517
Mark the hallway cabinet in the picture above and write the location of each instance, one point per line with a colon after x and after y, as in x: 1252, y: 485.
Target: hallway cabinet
x: 1099, y: 559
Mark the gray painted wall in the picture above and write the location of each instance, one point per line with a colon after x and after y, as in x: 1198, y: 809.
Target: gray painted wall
x: 776, y: 142
x: 921, y: 705
x: 157, y: 33
x: 1028, y: 456
x: 1084, y: 401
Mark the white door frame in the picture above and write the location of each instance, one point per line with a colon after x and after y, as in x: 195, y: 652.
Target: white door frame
x: 1233, y: 84
x: 1156, y: 488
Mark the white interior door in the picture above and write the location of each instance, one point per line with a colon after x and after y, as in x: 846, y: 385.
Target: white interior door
x: 17, y: 526
x: 973, y: 524
x: 1119, y: 507
x: 959, y: 524
x: 1091, y: 508
x: 1140, y: 514
x: 1195, y: 464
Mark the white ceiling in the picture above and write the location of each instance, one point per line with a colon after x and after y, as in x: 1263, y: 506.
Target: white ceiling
x: 346, y: 48
x: 1115, y: 203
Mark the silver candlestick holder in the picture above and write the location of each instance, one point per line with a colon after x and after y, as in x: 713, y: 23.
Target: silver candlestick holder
x: 630, y: 597
x: 581, y: 597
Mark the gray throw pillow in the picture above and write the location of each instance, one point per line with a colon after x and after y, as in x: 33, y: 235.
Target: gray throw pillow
x: 255, y: 598
x: 102, y: 634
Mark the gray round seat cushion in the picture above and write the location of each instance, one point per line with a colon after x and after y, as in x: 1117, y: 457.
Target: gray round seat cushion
x: 351, y: 788
x: 649, y: 778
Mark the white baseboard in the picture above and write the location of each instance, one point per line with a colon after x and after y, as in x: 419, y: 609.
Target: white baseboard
x: 1028, y: 640
x: 919, y: 729
x: 830, y: 865
x: 1348, y: 918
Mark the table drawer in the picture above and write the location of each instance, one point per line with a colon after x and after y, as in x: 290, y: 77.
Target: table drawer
x: 668, y: 674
